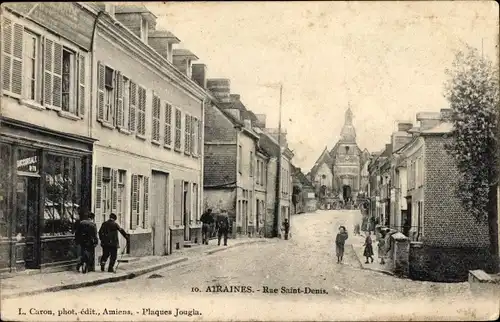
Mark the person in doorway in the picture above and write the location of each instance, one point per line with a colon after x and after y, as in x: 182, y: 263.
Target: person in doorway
x: 222, y: 226
x: 340, y: 243
x: 86, y: 238
x: 261, y: 227
x: 108, y: 234
x: 406, y: 228
x: 373, y: 222
x: 368, y: 252
x: 286, y: 228
x: 207, y: 219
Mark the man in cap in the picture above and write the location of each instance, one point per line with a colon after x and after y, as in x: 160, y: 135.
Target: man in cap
x: 222, y: 225
x: 86, y: 238
x: 108, y: 234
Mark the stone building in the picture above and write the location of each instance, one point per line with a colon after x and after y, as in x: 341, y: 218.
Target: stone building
x: 46, y: 142
x: 337, y: 174
x: 304, y: 195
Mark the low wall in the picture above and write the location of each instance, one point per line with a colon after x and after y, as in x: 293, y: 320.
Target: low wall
x: 177, y: 239
x: 445, y: 264
x: 140, y: 245
x: 195, y: 234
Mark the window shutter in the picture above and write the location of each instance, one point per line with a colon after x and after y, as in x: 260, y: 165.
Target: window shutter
x: 178, y: 202
x: 132, y: 107
x: 119, y: 99
x: 178, y: 129
x: 57, y: 75
x: 146, y: 202
x: 114, y: 190
x: 141, y: 126
x: 17, y: 60
x: 81, y: 85
x: 7, y: 52
x: 98, y: 192
x: 47, y: 77
x: 200, y: 137
x: 100, y: 91
x: 187, y: 134
x: 188, y: 203
x: 155, y: 131
x: 134, y: 202
x: 193, y: 138
x: 167, y: 139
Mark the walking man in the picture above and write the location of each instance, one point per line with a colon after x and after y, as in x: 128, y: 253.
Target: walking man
x: 86, y: 238
x: 207, y: 219
x: 286, y: 227
x: 222, y: 225
x: 108, y: 234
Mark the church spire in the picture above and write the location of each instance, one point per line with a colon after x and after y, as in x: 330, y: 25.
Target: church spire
x: 348, y: 134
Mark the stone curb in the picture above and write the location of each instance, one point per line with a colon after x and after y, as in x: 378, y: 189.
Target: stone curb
x: 360, y: 263
x: 223, y: 248
x: 120, y: 277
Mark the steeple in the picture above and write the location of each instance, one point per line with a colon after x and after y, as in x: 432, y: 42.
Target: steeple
x: 348, y: 133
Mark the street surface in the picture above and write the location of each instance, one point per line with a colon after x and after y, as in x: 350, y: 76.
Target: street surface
x: 337, y: 291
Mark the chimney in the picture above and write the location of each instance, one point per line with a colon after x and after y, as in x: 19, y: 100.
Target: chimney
x: 220, y: 88
x: 137, y: 18
x: 235, y: 97
x: 428, y: 120
x: 404, y: 126
x: 199, y: 75
x: 182, y: 59
x: 446, y: 114
x: 163, y: 41
x: 261, y: 121
x: 400, y: 139
x: 248, y: 123
x: 275, y: 134
x: 388, y: 149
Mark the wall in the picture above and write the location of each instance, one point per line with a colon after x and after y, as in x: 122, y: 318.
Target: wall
x: 445, y: 264
x: 245, y: 178
x: 220, y: 199
x: 218, y: 128
x: 220, y: 164
x: 446, y: 222
x: 328, y: 180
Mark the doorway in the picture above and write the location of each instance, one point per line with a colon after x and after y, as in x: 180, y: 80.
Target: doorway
x: 346, y: 193
x: 186, y: 211
x: 27, y: 218
x: 160, y: 213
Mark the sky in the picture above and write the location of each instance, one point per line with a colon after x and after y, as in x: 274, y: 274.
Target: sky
x: 385, y: 59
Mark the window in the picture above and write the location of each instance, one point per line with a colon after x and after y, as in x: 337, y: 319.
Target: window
x: 68, y: 80
x: 109, y: 94
x: 121, y: 198
x: 167, y: 138
x: 178, y: 129
x: 30, y: 65
x: 123, y: 102
x: 258, y: 172
x: 62, y: 194
x: 141, y: 112
x: 5, y: 194
x: 240, y: 159
x: 251, y: 163
x: 12, y: 65
x: 139, y: 210
x: 196, y: 202
x: 187, y: 134
x: 155, y: 131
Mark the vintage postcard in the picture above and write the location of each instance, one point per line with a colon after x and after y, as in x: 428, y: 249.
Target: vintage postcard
x: 249, y: 161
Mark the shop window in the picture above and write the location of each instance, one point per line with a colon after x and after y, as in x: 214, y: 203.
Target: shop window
x: 62, y: 194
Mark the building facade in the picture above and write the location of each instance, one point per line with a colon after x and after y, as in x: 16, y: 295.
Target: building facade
x: 337, y: 174
x: 45, y: 139
x: 148, y: 122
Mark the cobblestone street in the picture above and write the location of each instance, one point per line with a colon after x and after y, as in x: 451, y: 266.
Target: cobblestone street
x: 306, y: 260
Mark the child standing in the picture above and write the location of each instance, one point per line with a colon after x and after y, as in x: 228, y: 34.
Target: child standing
x: 368, y: 252
x: 340, y: 243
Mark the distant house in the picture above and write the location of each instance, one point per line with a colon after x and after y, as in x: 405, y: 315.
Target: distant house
x: 303, y: 197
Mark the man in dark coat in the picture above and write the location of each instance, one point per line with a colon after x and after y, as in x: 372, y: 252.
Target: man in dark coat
x: 207, y: 219
x: 222, y: 225
x: 286, y: 228
x: 86, y: 238
x: 108, y: 234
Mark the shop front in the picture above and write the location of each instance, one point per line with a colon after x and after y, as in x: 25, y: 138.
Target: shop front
x: 44, y: 185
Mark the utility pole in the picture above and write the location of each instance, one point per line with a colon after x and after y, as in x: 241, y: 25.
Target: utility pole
x: 278, y: 173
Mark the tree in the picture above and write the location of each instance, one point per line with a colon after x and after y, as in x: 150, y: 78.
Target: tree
x: 473, y: 93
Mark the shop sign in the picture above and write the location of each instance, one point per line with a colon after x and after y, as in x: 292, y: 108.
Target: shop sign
x: 28, y: 164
